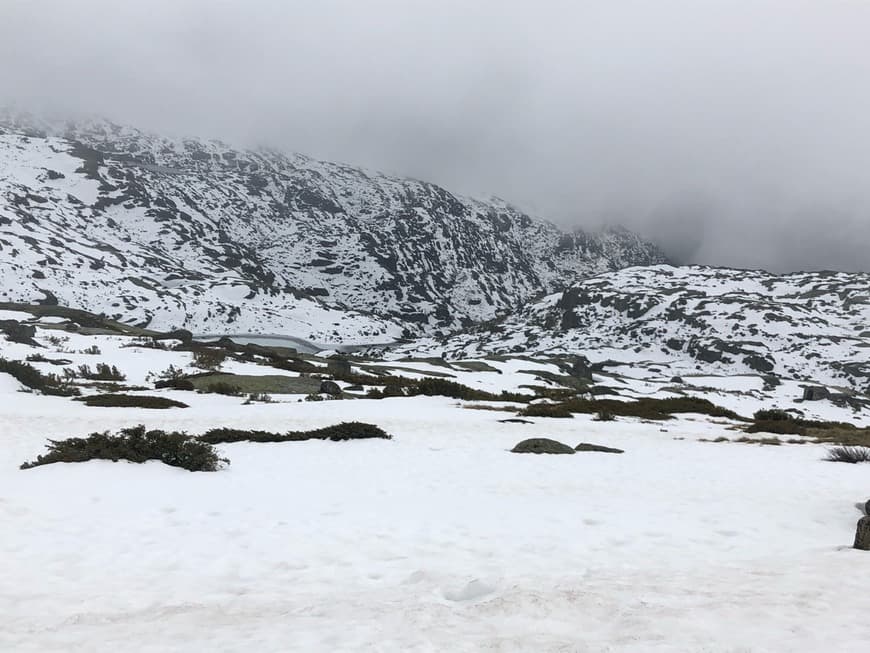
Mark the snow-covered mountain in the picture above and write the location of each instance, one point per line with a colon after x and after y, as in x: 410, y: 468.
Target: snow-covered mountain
x: 813, y: 326
x: 191, y: 233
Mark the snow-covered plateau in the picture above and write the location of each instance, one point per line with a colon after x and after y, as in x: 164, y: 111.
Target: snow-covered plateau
x: 439, y: 539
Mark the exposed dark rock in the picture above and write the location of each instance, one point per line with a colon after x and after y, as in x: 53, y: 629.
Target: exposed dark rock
x: 581, y: 368
x: 330, y: 388
x: 17, y: 332
x: 816, y: 393
x: 862, y: 534
x: 586, y: 446
x: 185, y: 336
x: 515, y: 420
x: 338, y: 365
x: 542, y: 445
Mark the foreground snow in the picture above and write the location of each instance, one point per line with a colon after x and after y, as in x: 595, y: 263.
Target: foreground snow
x: 439, y: 540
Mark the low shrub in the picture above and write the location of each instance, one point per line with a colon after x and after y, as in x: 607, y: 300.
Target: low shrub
x: 209, y: 358
x: 848, y: 455
x: 93, y: 350
x: 39, y: 358
x: 772, y: 415
x: 104, y: 372
x: 653, y: 409
x: 258, y: 398
x: 175, y: 384
x: 130, y: 401
x: 29, y: 376
x: 136, y: 445
x: 342, y: 431
x: 777, y: 426
x: 546, y: 410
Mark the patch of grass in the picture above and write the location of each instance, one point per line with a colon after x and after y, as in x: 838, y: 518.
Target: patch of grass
x: 130, y: 401
x: 136, y: 445
x: 850, y: 437
x: 848, y: 455
x: 222, y: 388
x: 781, y: 422
x: 504, y: 409
x: 338, y: 432
x: 273, y: 384
x: 780, y: 427
x: 29, y: 376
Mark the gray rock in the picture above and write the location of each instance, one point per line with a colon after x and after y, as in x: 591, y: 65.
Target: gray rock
x: 581, y: 368
x: 816, y: 393
x: 329, y: 388
x: 338, y: 365
x: 18, y: 332
x: 542, y: 445
x: 587, y: 446
x: 862, y: 534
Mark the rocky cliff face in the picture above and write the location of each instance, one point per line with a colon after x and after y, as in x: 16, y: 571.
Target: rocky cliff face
x: 196, y: 234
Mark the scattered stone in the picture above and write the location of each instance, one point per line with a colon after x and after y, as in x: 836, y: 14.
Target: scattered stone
x: 515, y: 420
x: 330, y: 388
x: 542, y: 445
x: 587, y: 446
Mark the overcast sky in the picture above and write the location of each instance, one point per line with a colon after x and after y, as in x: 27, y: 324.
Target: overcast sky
x: 735, y: 132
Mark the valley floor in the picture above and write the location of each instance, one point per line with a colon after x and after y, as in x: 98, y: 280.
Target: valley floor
x: 437, y: 540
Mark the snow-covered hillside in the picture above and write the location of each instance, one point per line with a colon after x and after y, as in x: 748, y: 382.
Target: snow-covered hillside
x: 196, y: 234
x: 812, y: 326
x: 439, y: 539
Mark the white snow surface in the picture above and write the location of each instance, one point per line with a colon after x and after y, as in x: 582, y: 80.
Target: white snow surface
x: 437, y: 540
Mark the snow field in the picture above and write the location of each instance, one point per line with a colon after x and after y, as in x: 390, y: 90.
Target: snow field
x: 439, y: 540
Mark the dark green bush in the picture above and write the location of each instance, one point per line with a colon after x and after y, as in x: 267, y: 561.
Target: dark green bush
x: 29, y: 376
x: 104, y: 372
x: 772, y: 415
x: 343, y: 431
x: 654, y: 409
x: 546, y: 410
x: 130, y: 401
x: 136, y: 445
x: 777, y: 426
x: 209, y: 358
x: 175, y: 384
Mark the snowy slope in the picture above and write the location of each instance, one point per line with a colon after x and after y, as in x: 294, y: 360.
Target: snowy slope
x: 437, y: 540
x: 813, y: 326
x: 171, y: 233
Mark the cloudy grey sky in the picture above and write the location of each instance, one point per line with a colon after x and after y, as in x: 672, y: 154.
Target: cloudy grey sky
x: 736, y: 132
